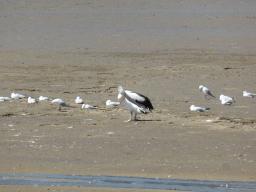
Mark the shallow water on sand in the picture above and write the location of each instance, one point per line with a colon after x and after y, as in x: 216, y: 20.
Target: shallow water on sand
x: 124, y: 182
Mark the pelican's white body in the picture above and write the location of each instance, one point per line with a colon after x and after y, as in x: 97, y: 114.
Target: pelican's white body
x: 31, y: 100
x: 247, y: 94
x: 134, y: 102
x: 130, y: 106
x: 79, y: 100
x: 17, y: 96
x: 198, y: 109
x: 112, y: 103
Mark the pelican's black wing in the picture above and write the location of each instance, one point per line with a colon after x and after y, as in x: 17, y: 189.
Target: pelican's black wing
x: 141, y: 99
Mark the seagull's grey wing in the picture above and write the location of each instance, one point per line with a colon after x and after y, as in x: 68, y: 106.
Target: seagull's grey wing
x: 199, y: 109
x: 63, y: 104
x: 208, y: 92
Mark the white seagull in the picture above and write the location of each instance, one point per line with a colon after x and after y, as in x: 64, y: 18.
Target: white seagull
x: 87, y: 106
x: 206, y: 91
x: 227, y: 102
x: 79, y: 100
x: 4, y: 98
x: 31, y: 100
x: 134, y: 102
x: 17, y: 96
x: 112, y: 103
x: 226, y: 97
x: 60, y: 102
x: 247, y: 94
x: 198, y: 109
x: 43, y: 98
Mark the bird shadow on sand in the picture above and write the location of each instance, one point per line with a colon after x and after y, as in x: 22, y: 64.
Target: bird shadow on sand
x: 146, y: 120
x: 63, y: 111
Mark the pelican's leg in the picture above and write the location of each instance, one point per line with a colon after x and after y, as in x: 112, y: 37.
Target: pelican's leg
x: 130, y: 117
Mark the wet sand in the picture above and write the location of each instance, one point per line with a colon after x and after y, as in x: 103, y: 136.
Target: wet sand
x: 92, y: 189
x: 73, y: 49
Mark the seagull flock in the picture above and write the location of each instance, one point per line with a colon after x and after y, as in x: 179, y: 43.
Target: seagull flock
x: 225, y: 100
x: 136, y: 103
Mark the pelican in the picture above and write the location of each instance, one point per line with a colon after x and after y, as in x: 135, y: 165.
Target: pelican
x: 60, y: 102
x: 247, y: 94
x: 31, y: 100
x: 226, y: 97
x: 198, y: 109
x: 79, y: 100
x: 87, y: 106
x: 43, y: 98
x: 17, y: 96
x: 112, y: 103
x: 206, y: 91
x: 134, y: 102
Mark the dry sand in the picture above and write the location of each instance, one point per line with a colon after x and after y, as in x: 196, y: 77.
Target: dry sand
x: 171, y: 142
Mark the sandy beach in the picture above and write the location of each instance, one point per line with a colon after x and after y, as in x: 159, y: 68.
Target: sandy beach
x: 163, y: 50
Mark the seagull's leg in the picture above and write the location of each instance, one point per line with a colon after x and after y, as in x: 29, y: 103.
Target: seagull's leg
x: 205, y: 96
x: 135, y: 117
x: 130, y: 117
x: 59, y: 108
